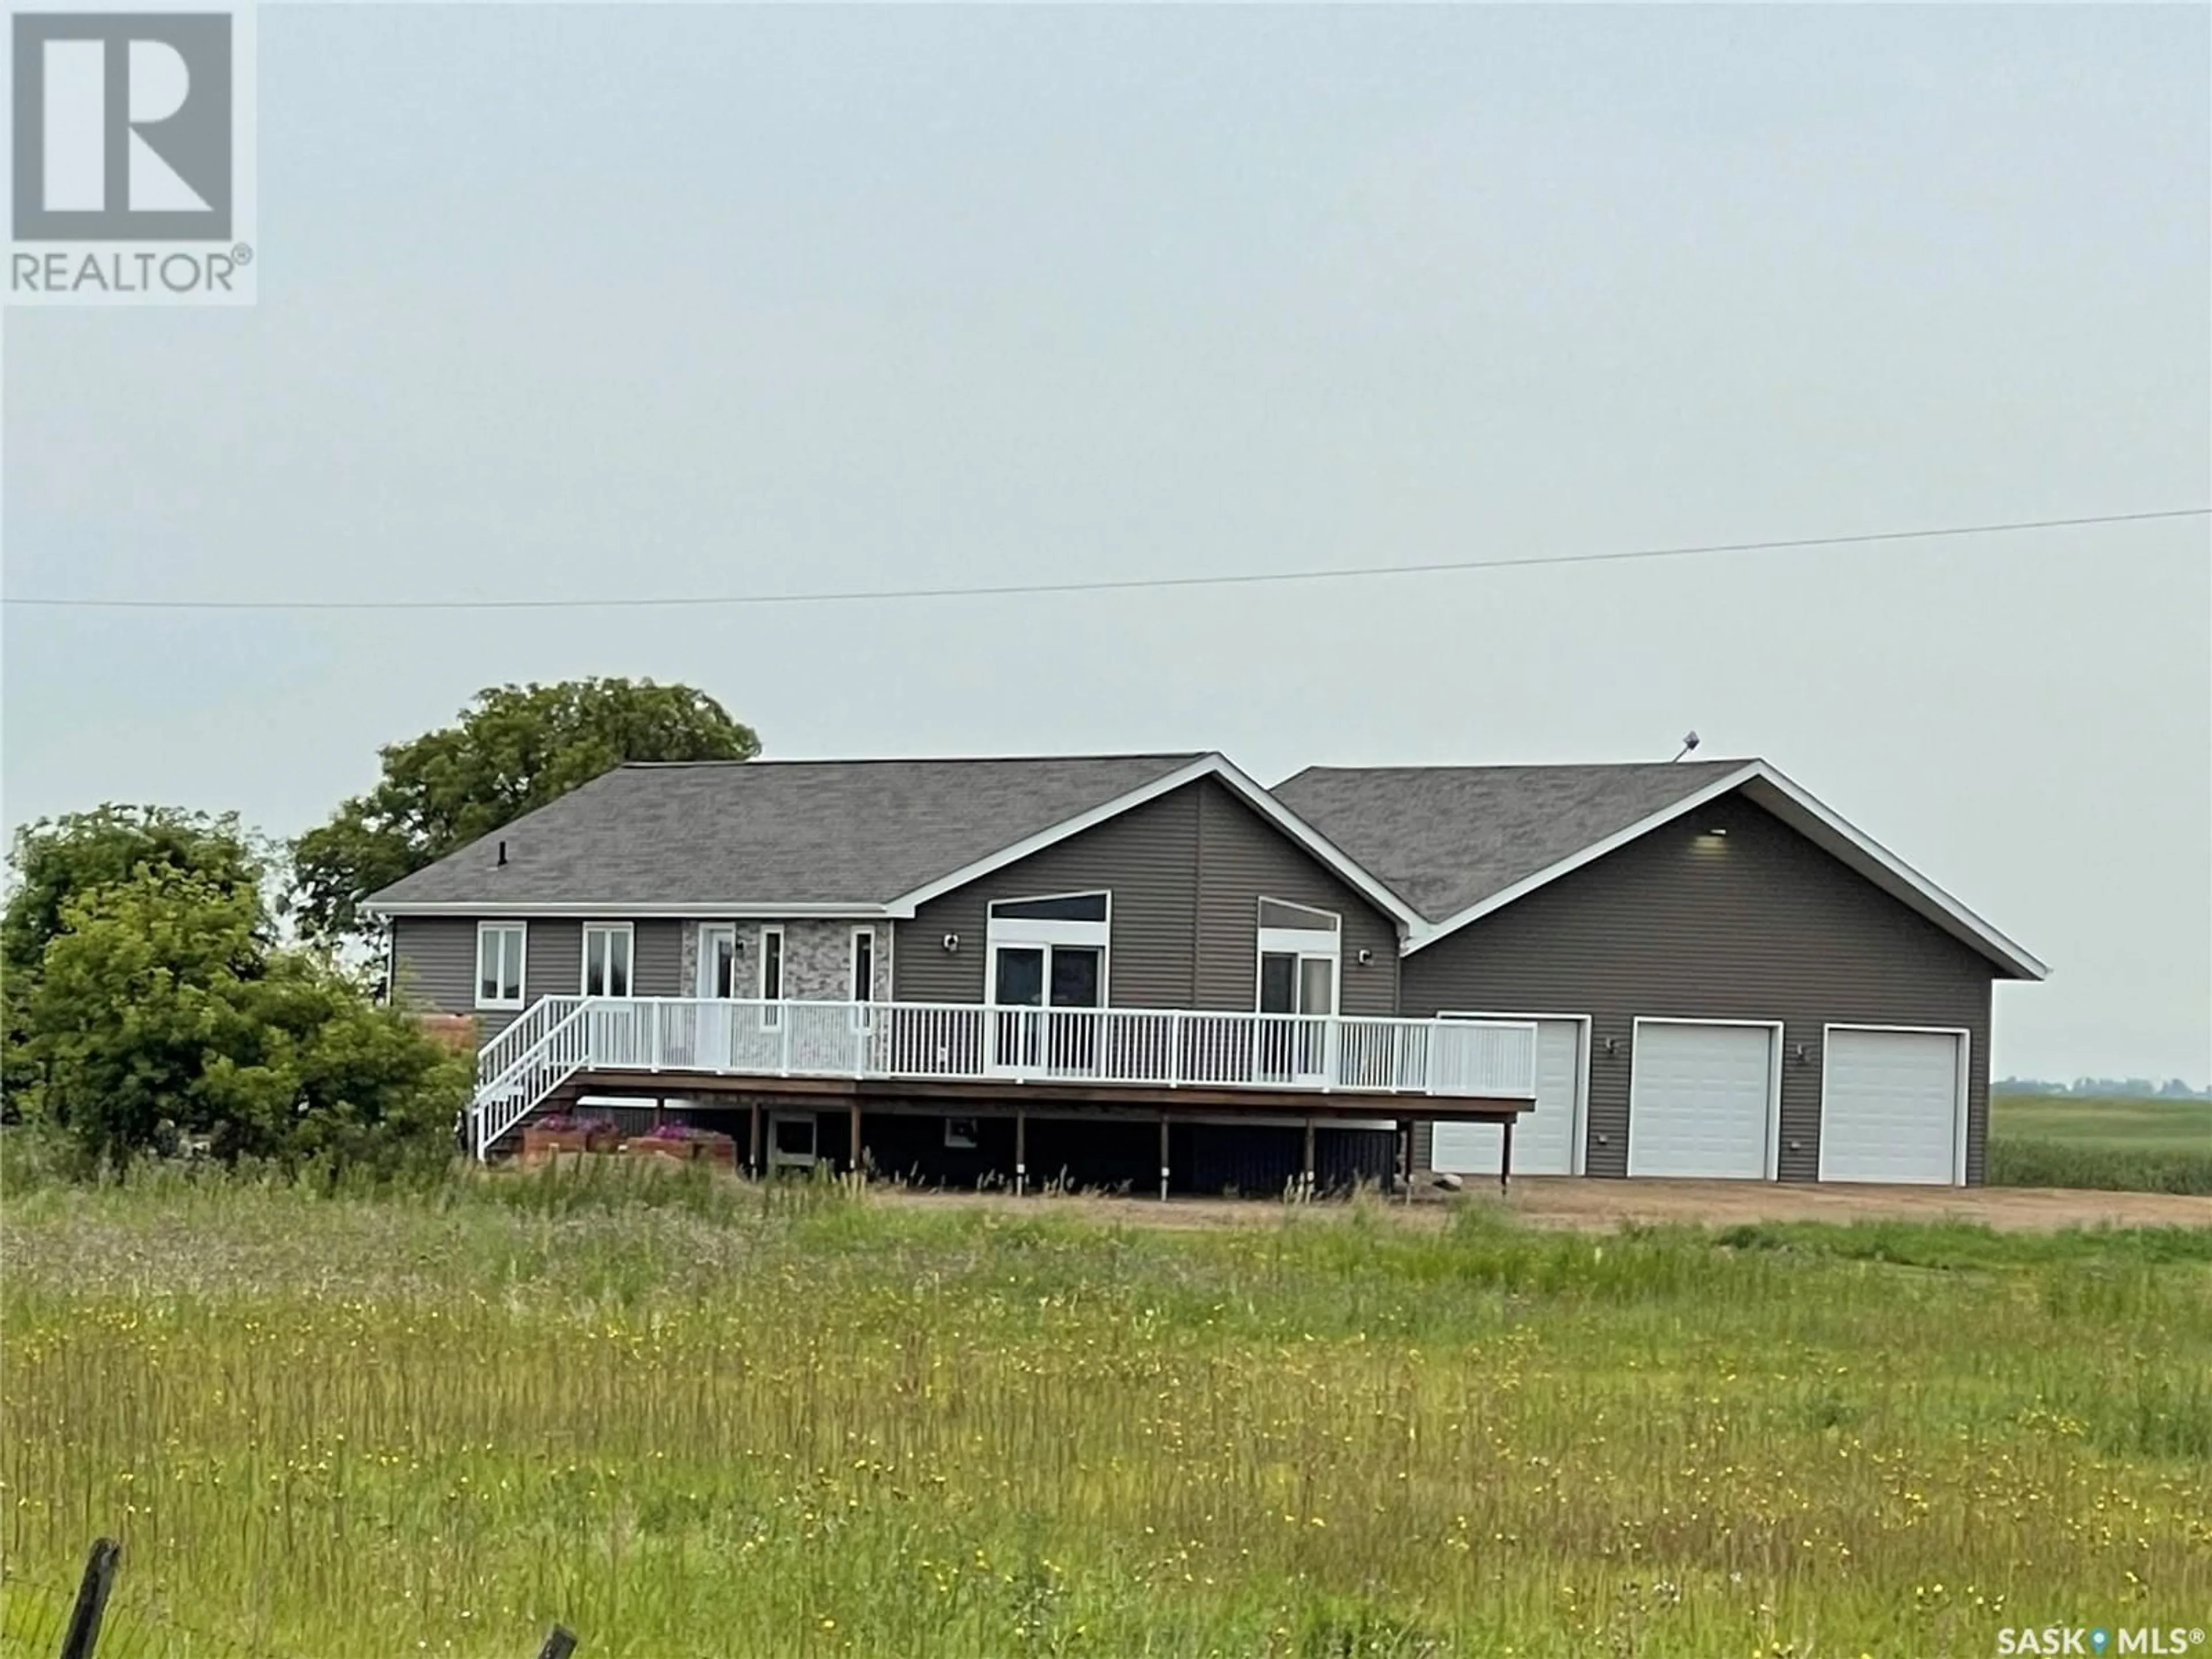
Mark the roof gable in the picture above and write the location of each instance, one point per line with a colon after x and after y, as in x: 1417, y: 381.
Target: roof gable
x: 1461, y: 842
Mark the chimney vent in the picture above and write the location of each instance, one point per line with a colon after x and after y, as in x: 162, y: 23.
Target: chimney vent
x: 502, y: 856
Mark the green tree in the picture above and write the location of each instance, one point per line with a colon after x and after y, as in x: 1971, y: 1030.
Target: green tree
x: 513, y: 750
x: 160, y: 1009
x: 57, y: 862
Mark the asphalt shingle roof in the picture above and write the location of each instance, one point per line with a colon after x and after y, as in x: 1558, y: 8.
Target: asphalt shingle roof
x: 774, y: 832
x: 1445, y: 837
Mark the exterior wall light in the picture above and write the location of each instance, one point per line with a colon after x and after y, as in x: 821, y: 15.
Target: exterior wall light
x: 952, y: 942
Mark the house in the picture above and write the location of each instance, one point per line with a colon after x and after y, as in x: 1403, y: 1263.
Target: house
x: 1140, y: 969
x: 1106, y: 970
x: 1729, y: 979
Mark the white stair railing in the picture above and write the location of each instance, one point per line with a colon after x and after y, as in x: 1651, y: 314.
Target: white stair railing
x: 546, y: 1046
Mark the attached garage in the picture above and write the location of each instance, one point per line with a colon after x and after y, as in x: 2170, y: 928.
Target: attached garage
x: 1894, y: 1105
x: 1704, y: 1099
x: 1546, y: 1141
x: 1717, y: 925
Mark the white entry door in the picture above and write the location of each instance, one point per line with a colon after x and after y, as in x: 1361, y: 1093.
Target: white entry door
x: 1543, y: 1139
x: 1701, y: 1099
x: 1892, y: 1105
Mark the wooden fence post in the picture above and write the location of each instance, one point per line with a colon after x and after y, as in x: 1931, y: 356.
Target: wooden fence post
x: 84, y: 1632
x: 559, y: 1644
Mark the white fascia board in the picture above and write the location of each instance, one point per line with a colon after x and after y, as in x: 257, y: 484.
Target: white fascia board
x: 1793, y: 803
x: 1206, y: 766
x: 705, y: 910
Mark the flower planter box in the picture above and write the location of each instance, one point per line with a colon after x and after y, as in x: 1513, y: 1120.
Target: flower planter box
x: 539, y: 1144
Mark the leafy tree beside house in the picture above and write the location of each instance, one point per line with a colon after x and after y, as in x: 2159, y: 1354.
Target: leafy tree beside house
x: 55, y: 862
x: 511, y: 750
x: 147, y: 1000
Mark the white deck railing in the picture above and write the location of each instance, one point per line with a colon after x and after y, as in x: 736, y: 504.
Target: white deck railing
x: 933, y: 1042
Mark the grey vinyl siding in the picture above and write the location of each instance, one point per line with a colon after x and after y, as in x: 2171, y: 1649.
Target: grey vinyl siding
x: 435, y: 963
x: 1759, y: 925
x: 1245, y: 858
x: 657, y: 959
x: 553, y: 963
x: 1147, y: 858
x: 1186, y: 872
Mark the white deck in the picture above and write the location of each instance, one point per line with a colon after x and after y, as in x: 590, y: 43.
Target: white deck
x: 953, y: 1043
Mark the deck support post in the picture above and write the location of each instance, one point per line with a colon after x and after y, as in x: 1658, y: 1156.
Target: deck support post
x: 1021, y: 1152
x: 1164, y: 1157
x: 854, y: 1158
x: 1306, y: 1175
x: 753, y: 1143
x: 1405, y: 1159
x: 1505, y: 1158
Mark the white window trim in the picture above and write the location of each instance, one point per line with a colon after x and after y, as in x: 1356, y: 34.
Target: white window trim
x: 782, y: 967
x: 628, y: 930
x: 1034, y: 932
x: 1963, y: 1088
x: 1300, y: 942
x: 702, y: 961
x: 867, y: 992
x: 521, y: 929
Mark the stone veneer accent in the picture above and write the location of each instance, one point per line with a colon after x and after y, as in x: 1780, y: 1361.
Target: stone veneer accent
x: 818, y: 958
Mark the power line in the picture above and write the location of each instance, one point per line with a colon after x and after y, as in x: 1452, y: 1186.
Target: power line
x: 1115, y: 584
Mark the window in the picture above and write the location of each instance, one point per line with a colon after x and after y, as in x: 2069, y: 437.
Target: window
x: 771, y: 972
x: 1300, y: 948
x: 1046, y: 955
x: 863, y: 964
x: 606, y: 958
x: 960, y: 1132
x: 1298, y: 918
x: 499, y: 963
x: 718, y: 960
x: 1062, y: 907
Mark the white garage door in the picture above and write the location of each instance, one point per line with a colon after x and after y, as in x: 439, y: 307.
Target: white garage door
x: 1544, y: 1140
x: 1699, y: 1100
x: 1890, y: 1106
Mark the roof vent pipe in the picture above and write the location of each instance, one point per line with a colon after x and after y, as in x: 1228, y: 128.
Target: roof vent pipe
x: 502, y: 856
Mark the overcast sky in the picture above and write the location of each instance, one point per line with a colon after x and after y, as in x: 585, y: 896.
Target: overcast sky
x: 584, y: 302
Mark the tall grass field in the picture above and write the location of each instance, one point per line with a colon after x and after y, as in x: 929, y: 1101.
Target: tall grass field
x: 2123, y: 1143
x: 686, y: 1417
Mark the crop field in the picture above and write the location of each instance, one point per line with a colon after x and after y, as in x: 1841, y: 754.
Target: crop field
x: 2123, y: 1143
x: 686, y: 1416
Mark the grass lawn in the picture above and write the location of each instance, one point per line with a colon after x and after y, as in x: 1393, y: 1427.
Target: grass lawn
x: 685, y: 1417
x: 2121, y: 1143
